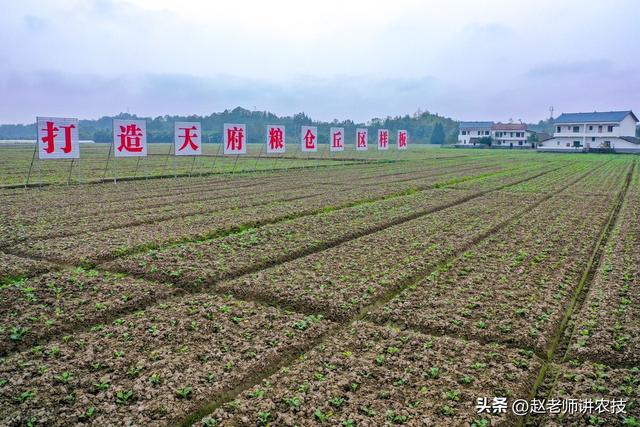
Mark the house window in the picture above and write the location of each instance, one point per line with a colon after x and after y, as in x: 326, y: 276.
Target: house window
x: 568, y: 145
x: 590, y: 127
x: 486, y: 132
x: 464, y: 132
x: 600, y: 129
x: 558, y: 143
x: 609, y: 129
x: 558, y: 129
x: 593, y: 139
x: 519, y: 142
x: 576, y: 129
x: 607, y: 144
x: 576, y: 144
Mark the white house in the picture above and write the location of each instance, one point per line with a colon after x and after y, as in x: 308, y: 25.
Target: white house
x: 598, y: 131
x: 470, y: 132
x: 511, y: 135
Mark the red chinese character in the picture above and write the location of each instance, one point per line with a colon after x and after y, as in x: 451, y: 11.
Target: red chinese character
x: 362, y: 142
x: 402, y: 139
x: 276, y: 139
x: 50, y: 139
x: 384, y: 138
x: 235, y: 136
x: 309, y: 137
x: 130, y: 138
x: 187, y: 138
x: 67, y: 138
x: 337, y: 139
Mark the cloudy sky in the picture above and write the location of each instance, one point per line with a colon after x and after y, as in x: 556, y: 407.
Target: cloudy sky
x: 331, y: 59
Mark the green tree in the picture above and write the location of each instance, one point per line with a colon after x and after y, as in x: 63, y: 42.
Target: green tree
x: 437, y: 136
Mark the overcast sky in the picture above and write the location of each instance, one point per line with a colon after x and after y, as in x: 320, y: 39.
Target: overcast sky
x: 470, y: 60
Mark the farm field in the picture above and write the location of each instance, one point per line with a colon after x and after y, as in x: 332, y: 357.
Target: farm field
x: 96, y: 164
x: 361, y: 290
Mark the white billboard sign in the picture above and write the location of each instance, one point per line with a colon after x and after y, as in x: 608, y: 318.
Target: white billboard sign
x: 276, y: 139
x: 129, y: 138
x: 235, y: 138
x: 187, y: 138
x: 58, y: 138
x: 336, y: 139
x: 309, y: 139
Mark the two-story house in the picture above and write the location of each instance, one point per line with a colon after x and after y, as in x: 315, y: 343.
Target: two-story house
x: 511, y: 135
x: 470, y: 132
x: 597, y: 131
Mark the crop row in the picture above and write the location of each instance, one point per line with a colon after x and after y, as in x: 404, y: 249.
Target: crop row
x: 213, y: 260
x: 152, y: 366
x: 13, y: 267
x: 515, y: 286
x: 560, y: 172
x: 595, y: 386
x: 611, y: 178
x: 147, y: 190
x: 96, y: 245
x: 66, y: 223
x: 67, y: 294
x: 73, y: 296
x: 607, y: 326
x: 100, y: 199
x: 371, y: 375
x: 52, y: 303
x: 44, y: 305
x: 56, y: 302
x: 252, y: 248
x: 345, y: 278
x: 87, y: 203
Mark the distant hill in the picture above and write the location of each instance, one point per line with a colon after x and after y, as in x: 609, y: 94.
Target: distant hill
x: 420, y: 126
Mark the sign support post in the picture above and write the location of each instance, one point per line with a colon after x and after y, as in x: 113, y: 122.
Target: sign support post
x: 192, y: 164
x: 215, y: 159
x: 166, y: 160
x: 115, y: 168
x: 70, y: 170
x: 35, y: 149
x: 255, y: 165
x: 234, y: 164
x: 104, y: 174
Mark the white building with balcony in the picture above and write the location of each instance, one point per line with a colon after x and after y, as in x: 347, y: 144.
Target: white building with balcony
x: 598, y: 131
x: 511, y: 135
x: 470, y: 132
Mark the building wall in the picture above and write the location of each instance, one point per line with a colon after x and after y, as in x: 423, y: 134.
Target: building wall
x: 472, y: 133
x: 560, y: 144
x: 628, y: 126
x: 504, y: 138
